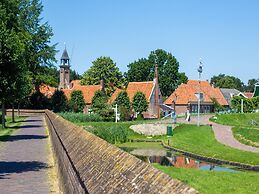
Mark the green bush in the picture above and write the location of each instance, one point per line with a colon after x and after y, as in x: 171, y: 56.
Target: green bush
x: 114, y: 134
x: 81, y: 117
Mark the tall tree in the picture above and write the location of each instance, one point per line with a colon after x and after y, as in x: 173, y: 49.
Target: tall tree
x: 12, y: 46
x: 105, y: 69
x: 77, y: 102
x: 38, y: 51
x: 227, y: 81
x: 140, y: 103
x: 251, y: 85
x: 74, y: 75
x: 168, y: 70
x: 124, y: 105
x: 59, y: 101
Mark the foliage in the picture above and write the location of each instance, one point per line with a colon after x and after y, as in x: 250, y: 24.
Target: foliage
x: 124, y: 105
x: 140, y: 103
x: 38, y: 101
x: 77, y: 102
x: 217, y: 105
x: 227, y: 81
x: 38, y: 51
x: 24, y: 47
x: 47, y: 75
x: 208, y: 182
x: 101, y: 107
x: 249, y: 104
x: 114, y: 134
x: 247, y: 135
x: 105, y: 69
x: 251, y: 85
x: 99, y: 100
x: 168, y: 71
x: 81, y: 117
x: 74, y: 75
x: 59, y: 101
x: 123, y: 100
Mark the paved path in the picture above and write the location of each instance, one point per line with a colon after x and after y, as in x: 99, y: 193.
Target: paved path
x: 222, y: 133
x: 23, y: 160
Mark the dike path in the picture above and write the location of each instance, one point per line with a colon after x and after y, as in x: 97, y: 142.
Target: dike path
x: 24, y: 159
x: 223, y: 133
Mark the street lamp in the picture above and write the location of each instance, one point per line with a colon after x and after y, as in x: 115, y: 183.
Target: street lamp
x: 199, y: 91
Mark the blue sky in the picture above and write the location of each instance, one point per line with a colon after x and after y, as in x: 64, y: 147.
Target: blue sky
x: 225, y: 34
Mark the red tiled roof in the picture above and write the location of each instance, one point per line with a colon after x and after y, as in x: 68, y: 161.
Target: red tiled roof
x: 47, y: 90
x: 88, y: 91
x: 133, y: 88
x: 144, y: 87
x: 248, y: 94
x: 114, y: 95
x: 185, y: 93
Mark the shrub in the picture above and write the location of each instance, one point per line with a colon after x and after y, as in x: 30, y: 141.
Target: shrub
x: 81, y: 117
x: 140, y: 103
x: 77, y: 102
x: 59, y: 101
x: 114, y: 134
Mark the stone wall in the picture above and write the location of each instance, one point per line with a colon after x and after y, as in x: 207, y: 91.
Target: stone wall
x: 88, y: 164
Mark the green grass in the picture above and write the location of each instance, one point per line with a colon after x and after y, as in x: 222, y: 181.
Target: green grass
x: 10, y: 127
x: 201, y: 140
x: 246, y: 135
x: 198, y: 140
x: 237, y: 119
x: 215, y: 181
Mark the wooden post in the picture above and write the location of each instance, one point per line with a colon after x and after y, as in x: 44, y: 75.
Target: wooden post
x: 157, y: 94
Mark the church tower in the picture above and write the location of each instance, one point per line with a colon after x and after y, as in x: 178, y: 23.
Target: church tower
x: 64, y: 73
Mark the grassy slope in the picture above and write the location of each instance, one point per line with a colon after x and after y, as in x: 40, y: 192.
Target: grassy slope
x: 215, y: 181
x: 201, y: 140
x: 244, y: 127
x: 237, y: 119
x: 245, y: 135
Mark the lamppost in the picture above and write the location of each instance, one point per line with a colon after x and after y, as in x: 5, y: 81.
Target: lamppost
x: 199, y: 92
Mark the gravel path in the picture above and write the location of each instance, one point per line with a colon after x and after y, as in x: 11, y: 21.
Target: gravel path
x: 222, y: 133
x: 24, y: 160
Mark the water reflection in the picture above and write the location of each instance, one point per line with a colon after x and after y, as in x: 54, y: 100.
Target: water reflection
x: 169, y: 158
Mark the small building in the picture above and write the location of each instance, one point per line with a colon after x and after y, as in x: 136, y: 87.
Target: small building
x: 186, y: 97
x: 148, y: 88
x: 230, y: 93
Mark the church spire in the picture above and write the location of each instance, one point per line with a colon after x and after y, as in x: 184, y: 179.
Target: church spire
x: 64, y: 73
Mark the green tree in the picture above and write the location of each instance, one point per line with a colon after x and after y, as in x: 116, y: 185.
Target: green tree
x: 77, y: 102
x: 123, y: 100
x: 38, y: 51
x: 12, y: 46
x: 99, y: 101
x: 105, y: 69
x: 168, y: 71
x: 251, y: 85
x: 59, y: 101
x: 140, y: 103
x: 74, y: 75
x: 124, y: 105
x: 101, y: 107
x: 226, y: 81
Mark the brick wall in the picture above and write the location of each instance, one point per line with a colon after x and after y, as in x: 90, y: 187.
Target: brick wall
x: 88, y: 164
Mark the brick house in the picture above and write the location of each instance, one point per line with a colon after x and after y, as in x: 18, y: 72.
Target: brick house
x: 148, y: 88
x: 185, y: 97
